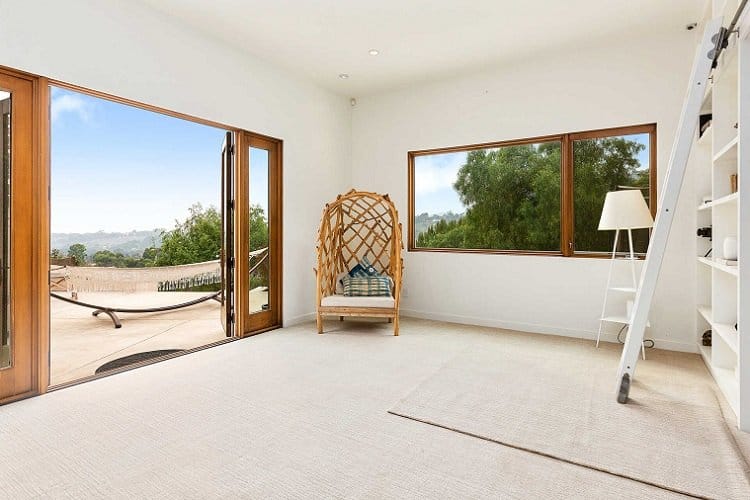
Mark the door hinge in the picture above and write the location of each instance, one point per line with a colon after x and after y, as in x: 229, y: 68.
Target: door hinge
x: 231, y: 262
x: 231, y: 149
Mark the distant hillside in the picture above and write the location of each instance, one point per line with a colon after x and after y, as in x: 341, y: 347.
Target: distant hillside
x: 132, y: 243
x: 424, y: 220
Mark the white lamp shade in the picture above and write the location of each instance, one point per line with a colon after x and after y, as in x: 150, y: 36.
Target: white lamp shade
x: 625, y: 210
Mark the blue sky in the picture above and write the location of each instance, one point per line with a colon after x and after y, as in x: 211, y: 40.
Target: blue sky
x: 121, y: 168
x: 259, y: 178
x: 434, y: 176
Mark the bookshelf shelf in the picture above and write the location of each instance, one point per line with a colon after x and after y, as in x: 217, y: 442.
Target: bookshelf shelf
x: 706, y: 313
x: 728, y: 153
x: 734, y: 271
x: 730, y: 198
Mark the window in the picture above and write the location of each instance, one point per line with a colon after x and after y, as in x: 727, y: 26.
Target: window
x: 538, y: 196
x: 496, y: 198
x: 603, y: 162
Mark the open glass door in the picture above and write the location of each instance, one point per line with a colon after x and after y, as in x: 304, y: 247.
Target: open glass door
x: 227, y: 234
x: 140, y: 237
x: 17, y: 366
x: 261, y: 171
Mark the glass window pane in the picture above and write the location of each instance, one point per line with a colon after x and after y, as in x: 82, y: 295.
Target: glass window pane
x: 5, y: 147
x: 502, y: 198
x: 601, y: 165
x: 260, y: 258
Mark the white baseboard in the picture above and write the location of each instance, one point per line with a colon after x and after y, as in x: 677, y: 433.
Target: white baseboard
x: 297, y: 320
x: 673, y: 345
x: 667, y: 344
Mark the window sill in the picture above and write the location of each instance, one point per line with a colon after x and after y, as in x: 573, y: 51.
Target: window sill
x: 486, y: 251
x: 526, y: 253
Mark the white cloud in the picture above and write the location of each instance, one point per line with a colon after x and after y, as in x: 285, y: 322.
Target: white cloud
x: 436, y: 173
x: 70, y: 103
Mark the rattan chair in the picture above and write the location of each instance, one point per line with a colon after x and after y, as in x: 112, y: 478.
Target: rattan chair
x: 358, y: 224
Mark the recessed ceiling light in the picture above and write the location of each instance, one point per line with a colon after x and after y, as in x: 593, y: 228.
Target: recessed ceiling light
x: 343, y: 76
x: 374, y: 52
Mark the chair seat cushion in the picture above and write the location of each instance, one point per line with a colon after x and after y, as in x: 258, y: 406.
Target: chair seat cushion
x: 342, y: 301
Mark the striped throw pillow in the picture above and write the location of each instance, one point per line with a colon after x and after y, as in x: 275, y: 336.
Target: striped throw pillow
x: 370, y: 286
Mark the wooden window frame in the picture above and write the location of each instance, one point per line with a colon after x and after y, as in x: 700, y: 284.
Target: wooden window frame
x: 652, y: 178
x: 567, y: 208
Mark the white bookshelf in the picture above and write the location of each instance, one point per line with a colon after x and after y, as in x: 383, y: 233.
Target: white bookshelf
x: 717, y: 154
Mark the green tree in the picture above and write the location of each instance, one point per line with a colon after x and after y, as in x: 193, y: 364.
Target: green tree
x: 603, y: 165
x: 107, y: 258
x: 444, y: 234
x: 130, y: 261
x: 197, y: 239
x: 55, y: 253
x: 512, y: 196
x: 149, y: 256
x: 78, y: 252
x: 258, y: 228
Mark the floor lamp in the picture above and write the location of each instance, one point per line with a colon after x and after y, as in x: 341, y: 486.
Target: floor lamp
x: 623, y: 210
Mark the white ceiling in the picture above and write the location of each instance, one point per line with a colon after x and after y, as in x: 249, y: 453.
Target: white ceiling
x: 418, y: 40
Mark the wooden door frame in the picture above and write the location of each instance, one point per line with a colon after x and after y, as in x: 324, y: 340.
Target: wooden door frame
x: 30, y: 307
x: 42, y: 231
x: 38, y: 304
x: 244, y: 324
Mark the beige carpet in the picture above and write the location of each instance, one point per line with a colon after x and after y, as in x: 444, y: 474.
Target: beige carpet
x: 560, y: 402
x: 292, y: 414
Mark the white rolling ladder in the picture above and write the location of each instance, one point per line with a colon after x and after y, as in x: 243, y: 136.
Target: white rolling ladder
x: 710, y: 46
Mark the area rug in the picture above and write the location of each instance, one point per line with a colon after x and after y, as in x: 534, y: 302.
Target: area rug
x: 134, y: 358
x: 562, y: 404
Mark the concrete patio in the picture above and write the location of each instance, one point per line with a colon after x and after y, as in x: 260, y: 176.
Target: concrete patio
x: 81, y: 343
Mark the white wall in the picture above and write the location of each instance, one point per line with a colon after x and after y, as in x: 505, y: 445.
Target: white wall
x: 598, y: 87
x: 127, y: 50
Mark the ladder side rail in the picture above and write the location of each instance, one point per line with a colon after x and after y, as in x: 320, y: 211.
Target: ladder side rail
x: 667, y: 204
